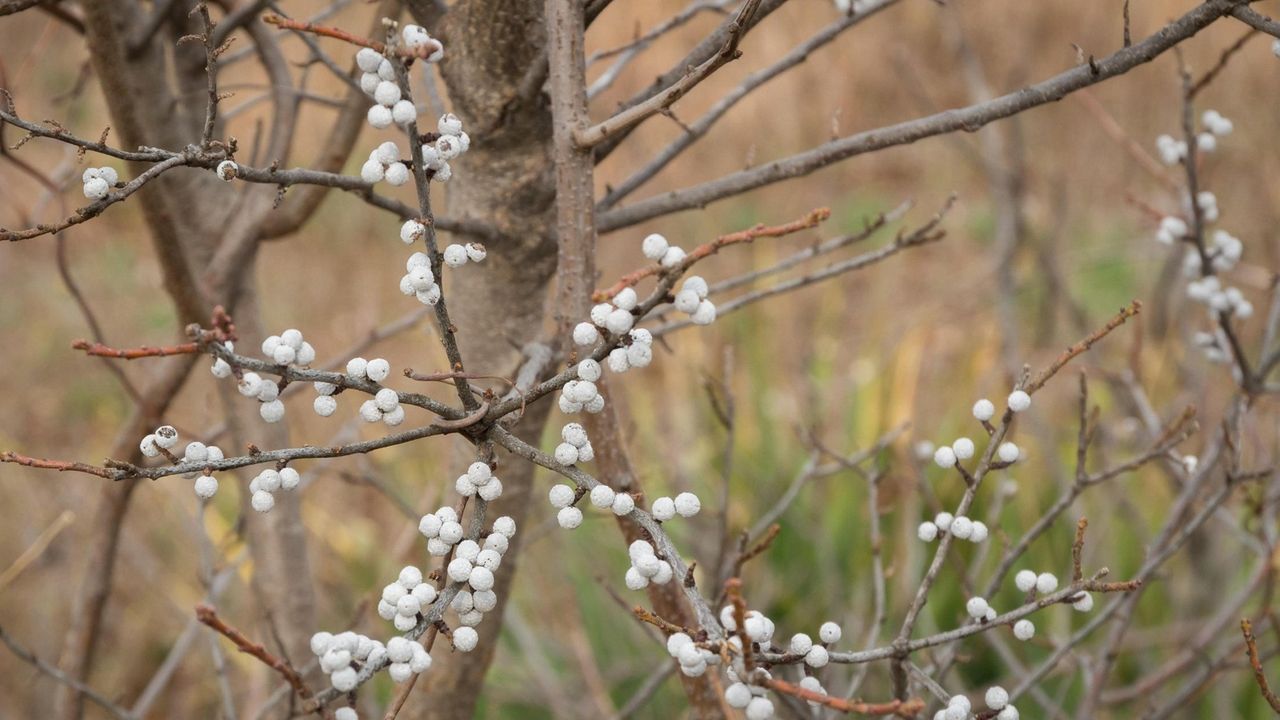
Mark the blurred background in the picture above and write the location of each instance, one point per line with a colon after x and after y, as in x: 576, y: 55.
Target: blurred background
x: 916, y: 339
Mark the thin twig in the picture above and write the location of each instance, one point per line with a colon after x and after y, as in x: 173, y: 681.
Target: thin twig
x: 1246, y: 629
x: 634, y: 115
x: 27, y: 656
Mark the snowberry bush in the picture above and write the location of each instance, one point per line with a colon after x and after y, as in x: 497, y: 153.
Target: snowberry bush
x: 528, y: 323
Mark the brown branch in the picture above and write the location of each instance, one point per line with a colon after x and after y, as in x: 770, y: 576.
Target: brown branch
x: 1067, y: 355
x: 9, y: 7
x: 652, y: 618
x: 811, y: 220
x: 1257, y: 20
x: 1223, y: 59
x: 900, y: 708
x: 97, y: 207
x: 1246, y: 628
x: 623, y: 121
x: 145, y: 351
x: 209, y: 616
x: 59, y: 465
x: 761, y: 545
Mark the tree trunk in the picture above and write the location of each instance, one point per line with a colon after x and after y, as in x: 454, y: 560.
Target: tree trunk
x: 500, y: 306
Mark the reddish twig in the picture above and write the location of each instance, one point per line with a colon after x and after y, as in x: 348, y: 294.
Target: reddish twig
x: 465, y: 422
x: 59, y: 465
x: 100, y: 350
x: 1125, y: 313
x: 900, y: 708
x: 209, y: 616
x: 733, y: 589
x: 285, y: 23
x: 1251, y: 645
x: 812, y: 220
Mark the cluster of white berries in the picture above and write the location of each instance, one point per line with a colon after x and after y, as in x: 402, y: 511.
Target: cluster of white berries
x: 473, y: 564
x: 479, y: 480
x: 1028, y: 580
x: 99, y: 181
x: 1173, y: 151
x: 979, y: 609
x: 1215, y: 346
x: 1216, y: 124
x: 457, y: 255
x: 408, y: 658
x: 576, y: 447
x: 419, y: 281
x: 563, y: 497
x: 289, y: 347
x: 1210, y: 291
x: 197, y: 452
x: 227, y: 170
x: 961, y: 528
x: 752, y: 699
x: 647, y: 567
x: 1222, y: 251
x: 959, y: 708
x: 637, y: 354
x: 998, y: 699
x: 342, y: 656
x: 742, y: 692
x: 963, y: 448
x: 1172, y: 229
x: 403, y: 599
x: 443, y: 531
x: 378, y: 79
x: 616, y: 317
x: 221, y: 368
x: 692, y: 300
x: 948, y: 455
x: 384, y: 164
x: 1208, y: 204
x: 693, y: 659
x: 655, y: 247
x: 757, y: 626
x: 265, y: 485
x: 451, y: 143
x: 383, y: 406
x: 1045, y: 583
x: 166, y: 437
x: 686, y: 504
x: 582, y: 393
x: 375, y: 370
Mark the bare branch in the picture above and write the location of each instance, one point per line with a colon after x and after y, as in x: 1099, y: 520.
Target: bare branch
x: 634, y: 115
x: 968, y: 118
